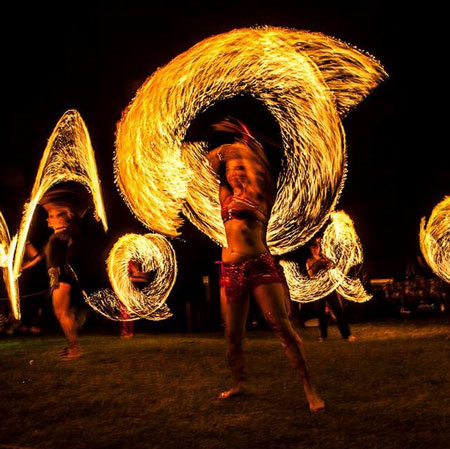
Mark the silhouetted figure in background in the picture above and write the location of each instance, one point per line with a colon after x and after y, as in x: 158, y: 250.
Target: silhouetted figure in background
x: 314, y: 264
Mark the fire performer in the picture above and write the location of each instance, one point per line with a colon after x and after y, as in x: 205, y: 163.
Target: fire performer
x: 247, y: 194
x: 315, y: 263
x: 65, y: 205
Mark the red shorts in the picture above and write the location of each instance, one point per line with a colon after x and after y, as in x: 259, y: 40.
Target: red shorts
x: 240, y: 278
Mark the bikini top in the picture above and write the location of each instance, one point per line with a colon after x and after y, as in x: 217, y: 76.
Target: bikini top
x: 242, y: 209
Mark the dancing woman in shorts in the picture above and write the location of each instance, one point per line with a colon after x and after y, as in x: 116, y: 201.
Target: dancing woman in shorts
x: 247, y: 194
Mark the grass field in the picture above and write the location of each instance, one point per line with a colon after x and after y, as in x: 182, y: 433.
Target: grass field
x: 390, y: 389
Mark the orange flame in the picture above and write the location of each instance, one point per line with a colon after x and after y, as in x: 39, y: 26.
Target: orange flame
x: 154, y: 254
x: 341, y: 245
x: 435, y: 239
x: 68, y: 156
x: 308, y: 81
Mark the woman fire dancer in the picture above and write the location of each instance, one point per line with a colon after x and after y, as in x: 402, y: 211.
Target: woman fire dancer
x: 247, y: 194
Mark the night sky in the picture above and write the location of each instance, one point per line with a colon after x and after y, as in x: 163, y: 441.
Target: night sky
x: 93, y: 56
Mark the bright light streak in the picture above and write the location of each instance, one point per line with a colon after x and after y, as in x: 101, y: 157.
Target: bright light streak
x: 154, y: 254
x: 5, y: 241
x: 435, y: 239
x: 341, y: 245
x: 307, y: 81
x: 68, y: 156
x: 7, y: 249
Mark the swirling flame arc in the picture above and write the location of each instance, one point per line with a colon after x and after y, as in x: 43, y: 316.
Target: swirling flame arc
x: 68, y: 156
x: 341, y: 245
x: 435, y: 239
x: 155, y: 255
x: 307, y: 81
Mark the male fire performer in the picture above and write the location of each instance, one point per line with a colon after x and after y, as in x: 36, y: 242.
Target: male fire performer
x: 65, y: 205
x: 247, y: 194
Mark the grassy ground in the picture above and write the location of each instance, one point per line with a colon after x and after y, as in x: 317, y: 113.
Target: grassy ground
x: 390, y: 389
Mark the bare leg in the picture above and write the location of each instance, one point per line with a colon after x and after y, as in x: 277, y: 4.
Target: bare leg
x: 61, y: 306
x: 270, y: 299
x: 323, y: 319
x: 234, y: 315
x: 341, y: 319
x: 127, y: 327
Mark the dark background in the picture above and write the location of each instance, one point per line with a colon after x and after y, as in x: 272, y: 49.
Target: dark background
x: 92, y: 56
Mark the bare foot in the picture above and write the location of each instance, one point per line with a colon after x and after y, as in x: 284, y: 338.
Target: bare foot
x: 351, y: 338
x: 316, y: 404
x: 73, y: 352
x: 232, y: 392
x: 126, y: 335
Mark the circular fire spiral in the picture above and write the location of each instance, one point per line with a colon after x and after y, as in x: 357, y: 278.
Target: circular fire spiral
x: 154, y: 255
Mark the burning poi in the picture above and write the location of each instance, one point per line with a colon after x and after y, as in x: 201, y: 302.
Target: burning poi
x: 307, y: 81
x: 68, y: 157
x: 340, y: 244
x: 126, y: 302
x: 435, y: 239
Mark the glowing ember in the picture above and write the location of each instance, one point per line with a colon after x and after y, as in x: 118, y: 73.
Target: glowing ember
x: 68, y: 156
x: 341, y: 245
x: 435, y: 239
x: 154, y: 254
x: 308, y: 81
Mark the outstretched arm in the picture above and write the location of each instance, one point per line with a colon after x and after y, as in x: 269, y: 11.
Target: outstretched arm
x: 33, y: 256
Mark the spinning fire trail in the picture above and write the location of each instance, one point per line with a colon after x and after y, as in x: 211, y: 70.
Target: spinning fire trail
x: 154, y: 254
x: 341, y: 245
x: 307, y: 81
x: 7, y: 249
x: 435, y: 239
x: 68, y: 156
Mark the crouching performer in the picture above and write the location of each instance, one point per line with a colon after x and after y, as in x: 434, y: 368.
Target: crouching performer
x: 247, y: 194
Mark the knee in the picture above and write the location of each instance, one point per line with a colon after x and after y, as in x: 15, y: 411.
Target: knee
x: 279, y: 325
x: 61, y: 312
x: 284, y: 331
